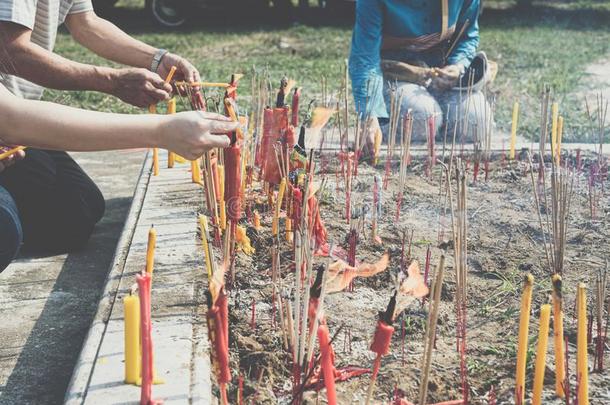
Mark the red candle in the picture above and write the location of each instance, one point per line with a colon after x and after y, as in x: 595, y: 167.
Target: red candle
x: 295, y: 107
x: 328, y: 369
x: 146, y: 338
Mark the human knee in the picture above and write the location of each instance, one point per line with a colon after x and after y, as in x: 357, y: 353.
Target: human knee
x: 11, y: 236
x: 479, y: 118
x: 427, y: 117
x: 423, y: 107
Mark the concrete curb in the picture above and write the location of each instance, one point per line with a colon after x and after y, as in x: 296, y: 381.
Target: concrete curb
x: 79, y: 383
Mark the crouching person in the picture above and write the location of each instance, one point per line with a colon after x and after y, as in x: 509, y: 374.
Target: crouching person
x: 424, y: 55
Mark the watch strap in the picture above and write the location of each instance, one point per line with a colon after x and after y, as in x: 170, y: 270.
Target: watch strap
x: 156, y: 61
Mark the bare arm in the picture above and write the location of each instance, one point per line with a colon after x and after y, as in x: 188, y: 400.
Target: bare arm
x: 139, y: 87
x: 108, y: 41
x: 52, y: 126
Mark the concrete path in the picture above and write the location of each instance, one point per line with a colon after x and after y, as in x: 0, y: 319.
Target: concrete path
x: 47, y: 303
x: 170, y: 202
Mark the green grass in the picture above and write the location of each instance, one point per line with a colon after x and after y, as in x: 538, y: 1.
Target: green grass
x: 549, y: 45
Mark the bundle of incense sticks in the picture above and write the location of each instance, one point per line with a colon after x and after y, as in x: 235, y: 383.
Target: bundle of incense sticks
x: 459, y: 220
x: 601, y: 284
x: 405, y: 157
x: 430, y: 333
x: 597, y: 122
x: 544, y: 120
x: 396, y: 98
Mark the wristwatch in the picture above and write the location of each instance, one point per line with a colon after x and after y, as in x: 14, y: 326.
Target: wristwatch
x: 156, y: 61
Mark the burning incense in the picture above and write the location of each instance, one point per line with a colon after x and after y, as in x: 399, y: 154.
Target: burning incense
x: 543, y: 336
x: 524, y: 320
x: 582, y: 362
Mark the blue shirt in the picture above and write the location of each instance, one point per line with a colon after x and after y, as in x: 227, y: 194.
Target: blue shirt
x: 406, y: 30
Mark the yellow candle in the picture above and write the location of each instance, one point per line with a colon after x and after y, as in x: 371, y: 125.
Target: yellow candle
x: 155, y: 162
x: 513, y: 130
x: 150, y: 250
x: 582, y: 361
x: 560, y: 370
x: 195, y: 171
x: 559, y: 136
x: 203, y: 227
x: 171, y: 109
x: 278, y: 206
x: 524, y: 322
x: 221, y: 180
x: 543, y: 337
x: 288, y: 230
x: 222, y: 214
x: 554, y: 115
x: 131, y: 309
x: 153, y: 110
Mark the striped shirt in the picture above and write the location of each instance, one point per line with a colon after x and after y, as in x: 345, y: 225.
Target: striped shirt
x: 43, y: 17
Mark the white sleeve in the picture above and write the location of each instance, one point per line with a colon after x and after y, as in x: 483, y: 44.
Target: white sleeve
x: 80, y: 6
x: 22, y: 12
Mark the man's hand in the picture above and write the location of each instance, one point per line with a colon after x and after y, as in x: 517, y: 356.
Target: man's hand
x: 192, y: 133
x: 9, y: 161
x: 446, y: 77
x: 139, y: 87
x: 185, y: 71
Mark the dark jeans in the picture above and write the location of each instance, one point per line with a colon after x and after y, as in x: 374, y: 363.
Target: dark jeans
x: 58, y: 203
x: 10, y: 229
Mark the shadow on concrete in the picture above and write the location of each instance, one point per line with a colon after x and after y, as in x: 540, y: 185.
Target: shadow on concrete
x: 45, y: 364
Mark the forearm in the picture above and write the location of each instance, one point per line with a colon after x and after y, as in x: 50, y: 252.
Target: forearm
x: 60, y: 127
x: 53, y: 71
x: 108, y: 41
